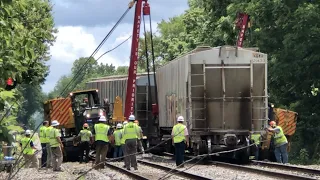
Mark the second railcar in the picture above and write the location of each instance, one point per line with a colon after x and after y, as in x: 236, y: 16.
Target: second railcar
x: 111, y: 86
x: 221, y: 92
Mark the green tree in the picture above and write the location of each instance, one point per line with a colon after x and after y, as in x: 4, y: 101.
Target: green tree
x: 142, y: 60
x: 25, y: 36
x: 60, y: 86
x: 33, y: 98
x: 287, y: 31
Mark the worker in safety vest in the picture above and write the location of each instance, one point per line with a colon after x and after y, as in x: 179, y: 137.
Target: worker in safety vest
x: 180, y: 136
x: 140, y: 147
x: 123, y: 144
x: 56, y: 146
x: 48, y: 147
x: 28, y: 151
x: 131, y: 134
x: 280, y: 142
x: 44, y: 140
x: 256, y: 138
x: 117, y: 138
x: 102, y: 132
x: 86, y: 139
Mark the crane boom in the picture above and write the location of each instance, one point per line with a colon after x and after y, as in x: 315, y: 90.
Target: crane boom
x: 132, y: 72
x: 242, y: 23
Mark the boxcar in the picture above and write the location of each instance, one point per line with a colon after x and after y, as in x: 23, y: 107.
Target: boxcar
x: 112, y: 86
x: 220, y: 91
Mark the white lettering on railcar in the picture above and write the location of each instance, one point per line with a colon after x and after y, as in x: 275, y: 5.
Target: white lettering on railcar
x: 258, y: 60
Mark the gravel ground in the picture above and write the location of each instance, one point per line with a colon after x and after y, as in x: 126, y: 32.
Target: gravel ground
x: 150, y: 172
x: 308, y: 166
x: 211, y: 171
x: 285, y: 171
x: 71, y: 172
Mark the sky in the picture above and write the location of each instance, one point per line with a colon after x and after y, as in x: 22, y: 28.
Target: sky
x: 82, y: 24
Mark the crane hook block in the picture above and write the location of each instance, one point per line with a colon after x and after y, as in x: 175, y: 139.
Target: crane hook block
x: 131, y: 3
x: 146, y: 8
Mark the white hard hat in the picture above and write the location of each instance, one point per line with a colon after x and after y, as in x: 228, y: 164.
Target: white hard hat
x: 119, y: 125
x: 102, y: 119
x: 125, y: 122
x: 28, y: 132
x: 55, y: 123
x: 180, y: 119
x: 132, y: 118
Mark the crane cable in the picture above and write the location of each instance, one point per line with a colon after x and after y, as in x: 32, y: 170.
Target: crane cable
x: 153, y: 59
x: 95, y: 51
x: 96, y: 60
x: 105, y: 54
x: 147, y: 59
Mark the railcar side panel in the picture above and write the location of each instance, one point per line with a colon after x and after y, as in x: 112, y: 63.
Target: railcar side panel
x: 226, y: 87
x: 172, y: 91
x: 110, y: 87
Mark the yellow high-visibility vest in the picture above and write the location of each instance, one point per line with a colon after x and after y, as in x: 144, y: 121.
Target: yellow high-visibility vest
x: 42, y: 134
x: 101, y: 132
x: 256, y: 138
x: 130, y: 131
x: 117, y: 135
x: 178, y: 133
x: 85, y: 135
x: 47, y: 133
x: 280, y: 138
x: 26, y: 146
x: 54, y: 133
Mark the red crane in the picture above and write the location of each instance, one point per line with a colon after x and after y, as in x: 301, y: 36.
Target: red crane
x: 242, y: 22
x: 132, y: 73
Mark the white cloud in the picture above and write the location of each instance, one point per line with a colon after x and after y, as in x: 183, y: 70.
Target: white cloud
x: 83, y: 24
x: 71, y: 43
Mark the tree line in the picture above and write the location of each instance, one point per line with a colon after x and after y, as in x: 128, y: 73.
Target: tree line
x: 288, y: 31
x: 25, y: 37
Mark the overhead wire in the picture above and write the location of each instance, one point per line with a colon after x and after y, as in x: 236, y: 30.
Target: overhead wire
x: 153, y: 61
x: 103, y: 55
x: 201, y: 158
x: 198, y: 156
x: 114, y: 159
x: 147, y: 58
x: 27, y: 160
x: 79, y: 71
x: 97, y: 60
x: 97, y: 49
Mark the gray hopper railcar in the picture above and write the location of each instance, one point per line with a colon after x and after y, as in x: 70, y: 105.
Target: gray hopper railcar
x: 111, y: 86
x: 222, y: 94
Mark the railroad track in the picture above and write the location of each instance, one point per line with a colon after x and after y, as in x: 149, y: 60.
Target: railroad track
x: 129, y: 173
x: 175, y: 171
x: 142, y: 174
x: 266, y: 172
x: 307, y: 171
x: 154, y: 173
x: 289, y: 171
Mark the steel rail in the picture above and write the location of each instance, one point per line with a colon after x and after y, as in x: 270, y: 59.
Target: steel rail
x: 288, y: 167
x: 175, y: 171
x: 129, y: 173
x: 261, y: 171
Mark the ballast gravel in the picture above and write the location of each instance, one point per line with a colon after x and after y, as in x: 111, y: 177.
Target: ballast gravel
x: 210, y: 171
x: 272, y: 169
x: 151, y: 172
x: 72, y: 170
x: 75, y: 169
